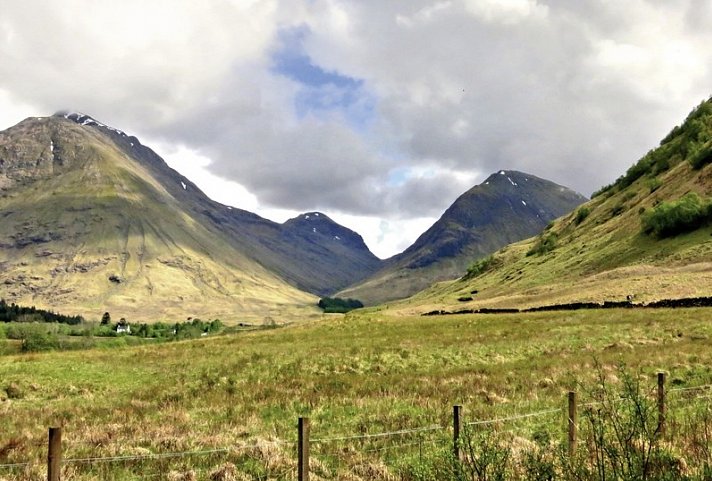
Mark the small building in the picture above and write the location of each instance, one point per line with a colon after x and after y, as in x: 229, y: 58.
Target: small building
x: 123, y: 327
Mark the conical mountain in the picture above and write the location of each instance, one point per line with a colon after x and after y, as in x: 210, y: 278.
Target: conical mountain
x: 508, y: 206
x: 92, y: 221
x: 646, y: 237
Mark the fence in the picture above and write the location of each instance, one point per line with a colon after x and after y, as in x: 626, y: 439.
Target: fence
x: 305, y: 444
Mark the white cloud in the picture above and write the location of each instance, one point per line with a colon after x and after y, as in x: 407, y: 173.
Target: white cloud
x: 13, y: 111
x: 507, y: 12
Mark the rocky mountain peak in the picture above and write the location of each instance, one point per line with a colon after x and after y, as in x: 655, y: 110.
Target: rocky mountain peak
x: 84, y: 119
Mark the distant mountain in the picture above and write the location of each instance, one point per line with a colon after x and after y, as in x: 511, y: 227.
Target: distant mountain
x: 508, y: 206
x: 92, y: 220
x: 646, y: 237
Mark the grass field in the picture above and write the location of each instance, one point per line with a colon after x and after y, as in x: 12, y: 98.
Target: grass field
x: 365, y: 372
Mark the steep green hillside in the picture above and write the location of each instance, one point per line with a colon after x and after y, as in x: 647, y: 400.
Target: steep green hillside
x: 507, y: 207
x: 609, y: 248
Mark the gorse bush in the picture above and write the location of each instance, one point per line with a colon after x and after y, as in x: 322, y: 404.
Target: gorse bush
x: 672, y: 218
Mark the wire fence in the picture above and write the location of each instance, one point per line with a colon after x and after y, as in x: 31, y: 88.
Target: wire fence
x: 326, y: 455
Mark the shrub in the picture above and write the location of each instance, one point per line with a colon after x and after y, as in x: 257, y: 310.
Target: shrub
x: 36, y: 337
x: 606, y: 189
x: 672, y: 218
x: 479, y: 266
x: 701, y: 155
x: 654, y: 184
x: 617, y: 209
x: 581, y: 214
x: 339, y: 305
x: 545, y: 243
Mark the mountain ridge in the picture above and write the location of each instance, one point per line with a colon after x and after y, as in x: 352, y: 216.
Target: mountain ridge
x: 92, y: 219
x: 605, y: 251
x: 507, y: 207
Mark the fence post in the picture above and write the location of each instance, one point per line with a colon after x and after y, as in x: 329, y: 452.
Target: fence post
x: 661, y: 403
x: 572, y: 423
x: 54, y: 454
x: 456, y: 425
x: 303, y: 450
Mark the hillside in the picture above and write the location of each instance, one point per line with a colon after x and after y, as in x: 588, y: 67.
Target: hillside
x: 645, y: 236
x: 93, y: 221
x: 507, y: 207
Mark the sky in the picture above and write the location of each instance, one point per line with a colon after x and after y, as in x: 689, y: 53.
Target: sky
x: 379, y: 113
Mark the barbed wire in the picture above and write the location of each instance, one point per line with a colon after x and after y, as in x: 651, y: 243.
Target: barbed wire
x: 14, y: 465
x: 513, y: 418
x: 380, y: 435
x: 402, y: 432
x: 692, y: 388
x: 178, y: 454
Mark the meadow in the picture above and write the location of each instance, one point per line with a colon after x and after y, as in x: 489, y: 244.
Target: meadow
x: 363, y: 373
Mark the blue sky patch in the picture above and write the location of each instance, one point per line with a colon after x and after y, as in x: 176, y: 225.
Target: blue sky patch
x: 322, y: 91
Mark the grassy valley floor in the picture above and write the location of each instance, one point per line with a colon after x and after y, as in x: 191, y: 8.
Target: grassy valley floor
x: 359, y: 374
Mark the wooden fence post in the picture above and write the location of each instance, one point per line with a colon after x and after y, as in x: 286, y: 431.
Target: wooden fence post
x: 456, y: 425
x: 303, y: 450
x: 572, y: 423
x: 54, y: 454
x: 661, y: 403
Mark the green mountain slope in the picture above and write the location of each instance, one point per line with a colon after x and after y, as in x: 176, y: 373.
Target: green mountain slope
x: 313, y: 262
x: 607, y: 249
x: 88, y: 227
x: 508, y: 206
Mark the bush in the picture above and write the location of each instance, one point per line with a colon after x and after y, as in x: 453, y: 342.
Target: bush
x: 478, y: 267
x: 701, y: 155
x: 617, y: 209
x: 606, y: 189
x: 654, y: 184
x: 545, y: 243
x: 581, y: 214
x: 672, y: 218
x: 339, y: 305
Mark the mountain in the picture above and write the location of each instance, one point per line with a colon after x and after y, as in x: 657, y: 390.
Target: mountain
x: 646, y: 237
x: 94, y: 221
x: 507, y: 207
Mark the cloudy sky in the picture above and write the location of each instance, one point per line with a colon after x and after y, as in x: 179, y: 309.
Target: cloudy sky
x: 377, y: 112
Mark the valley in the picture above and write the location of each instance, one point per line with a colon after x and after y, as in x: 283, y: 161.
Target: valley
x: 379, y: 383
x: 367, y: 372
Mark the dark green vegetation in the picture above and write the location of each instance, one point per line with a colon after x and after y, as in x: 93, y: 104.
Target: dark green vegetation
x: 366, y: 373
x: 546, y: 242
x: 33, y: 336
x: 480, y: 266
x: 339, y: 305
x: 668, y: 219
x: 507, y: 207
x: 581, y: 214
x: 37, y: 330
x: 13, y: 313
x: 691, y: 142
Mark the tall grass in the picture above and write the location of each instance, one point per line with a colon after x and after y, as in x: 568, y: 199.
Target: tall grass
x: 359, y: 374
